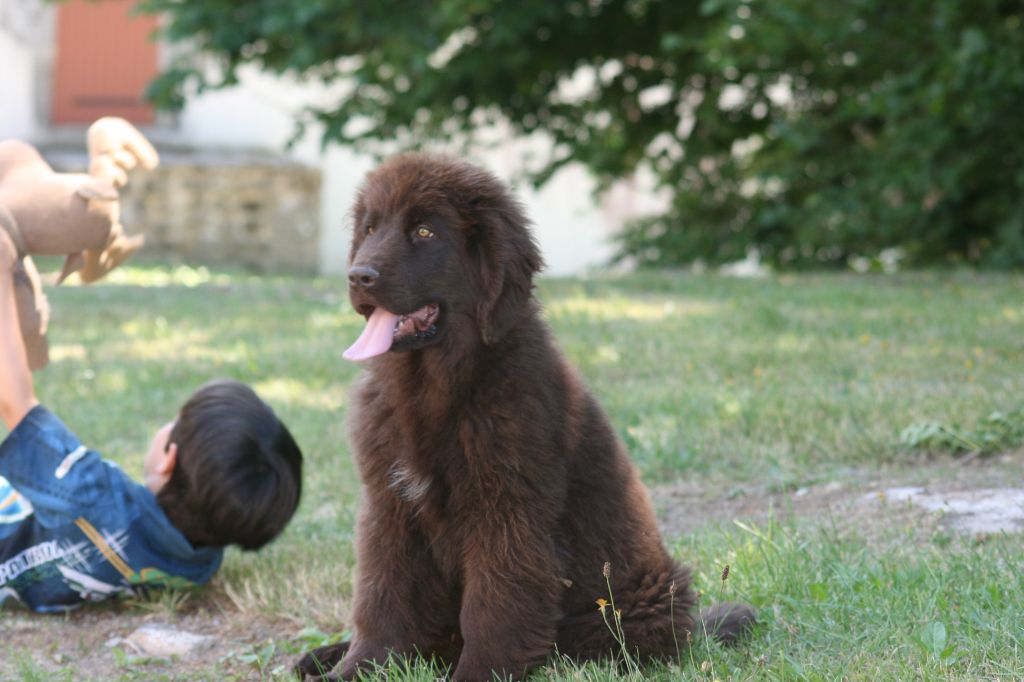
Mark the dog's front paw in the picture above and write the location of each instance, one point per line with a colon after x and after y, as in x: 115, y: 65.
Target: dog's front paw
x: 319, y: 662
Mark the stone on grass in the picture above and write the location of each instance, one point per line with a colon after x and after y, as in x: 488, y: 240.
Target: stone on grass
x: 160, y: 640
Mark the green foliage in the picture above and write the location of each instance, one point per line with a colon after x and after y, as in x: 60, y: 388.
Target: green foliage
x: 932, y: 642
x: 998, y: 432
x: 813, y: 131
x: 259, y: 658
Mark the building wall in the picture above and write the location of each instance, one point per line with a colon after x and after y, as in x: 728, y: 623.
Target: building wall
x: 245, y: 208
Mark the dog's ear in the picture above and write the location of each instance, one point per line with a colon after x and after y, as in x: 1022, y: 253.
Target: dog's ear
x: 509, y: 258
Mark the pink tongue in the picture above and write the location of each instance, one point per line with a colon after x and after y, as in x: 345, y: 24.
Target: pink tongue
x: 376, y: 337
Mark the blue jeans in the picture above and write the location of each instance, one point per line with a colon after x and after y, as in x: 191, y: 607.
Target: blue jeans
x: 13, y: 507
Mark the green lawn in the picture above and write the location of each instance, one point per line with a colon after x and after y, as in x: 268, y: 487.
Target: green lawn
x: 778, y: 382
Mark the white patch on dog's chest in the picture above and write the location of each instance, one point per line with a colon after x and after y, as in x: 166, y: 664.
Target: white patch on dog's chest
x: 407, y: 485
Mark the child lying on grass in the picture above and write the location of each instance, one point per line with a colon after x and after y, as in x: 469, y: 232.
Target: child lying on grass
x: 75, y: 528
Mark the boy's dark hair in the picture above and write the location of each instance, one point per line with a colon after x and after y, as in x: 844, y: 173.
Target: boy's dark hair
x: 238, y: 477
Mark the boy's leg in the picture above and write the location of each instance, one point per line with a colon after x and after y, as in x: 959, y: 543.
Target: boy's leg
x: 33, y: 313
x: 17, y: 393
x: 33, y: 309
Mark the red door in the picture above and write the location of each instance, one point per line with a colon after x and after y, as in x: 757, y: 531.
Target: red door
x: 105, y: 59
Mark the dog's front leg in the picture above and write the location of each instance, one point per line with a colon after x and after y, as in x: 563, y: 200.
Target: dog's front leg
x: 402, y: 605
x: 511, y: 601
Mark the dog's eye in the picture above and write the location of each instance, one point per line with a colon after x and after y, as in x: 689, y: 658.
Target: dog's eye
x: 423, y: 232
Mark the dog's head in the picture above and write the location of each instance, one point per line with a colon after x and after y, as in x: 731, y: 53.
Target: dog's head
x: 437, y: 243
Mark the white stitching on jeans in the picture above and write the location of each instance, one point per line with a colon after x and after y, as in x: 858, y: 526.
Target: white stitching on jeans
x: 70, y: 461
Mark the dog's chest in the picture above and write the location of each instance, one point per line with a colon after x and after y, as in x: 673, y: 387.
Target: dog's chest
x: 409, y: 485
x: 418, y: 459
x: 429, y: 480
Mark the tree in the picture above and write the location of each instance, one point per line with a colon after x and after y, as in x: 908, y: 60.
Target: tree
x: 813, y: 131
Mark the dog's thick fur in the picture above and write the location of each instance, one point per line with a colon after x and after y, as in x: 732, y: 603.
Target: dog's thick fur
x: 497, y: 500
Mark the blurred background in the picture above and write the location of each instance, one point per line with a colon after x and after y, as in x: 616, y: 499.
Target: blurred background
x: 790, y: 134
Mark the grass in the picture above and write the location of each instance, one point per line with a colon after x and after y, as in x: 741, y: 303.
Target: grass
x: 779, y: 381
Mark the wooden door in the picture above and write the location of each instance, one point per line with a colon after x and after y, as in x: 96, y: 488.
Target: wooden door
x: 104, y: 61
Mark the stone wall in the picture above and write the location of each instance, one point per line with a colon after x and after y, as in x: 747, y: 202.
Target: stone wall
x: 254, y: 209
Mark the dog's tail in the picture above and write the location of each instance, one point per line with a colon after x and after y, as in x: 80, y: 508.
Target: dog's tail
x: 728, y: 621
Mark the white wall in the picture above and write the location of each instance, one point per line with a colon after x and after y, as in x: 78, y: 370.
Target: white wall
x: 27, y: 29
x: 17, y: 91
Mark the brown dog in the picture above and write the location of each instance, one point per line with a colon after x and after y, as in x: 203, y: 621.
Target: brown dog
x: 497, y: 501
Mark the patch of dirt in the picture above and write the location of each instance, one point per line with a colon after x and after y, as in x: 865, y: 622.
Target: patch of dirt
x: 975, y: 498
x: 87, y: 644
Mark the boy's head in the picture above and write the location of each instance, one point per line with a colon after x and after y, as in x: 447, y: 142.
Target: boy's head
x: 227, y: 472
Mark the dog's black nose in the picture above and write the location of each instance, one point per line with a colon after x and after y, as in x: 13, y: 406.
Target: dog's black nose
x: 362, y: 277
